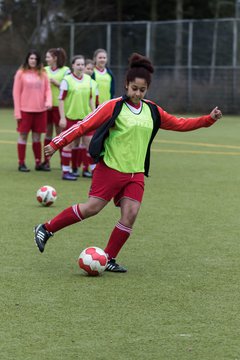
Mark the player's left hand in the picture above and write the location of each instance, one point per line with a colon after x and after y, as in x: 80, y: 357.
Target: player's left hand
x: 216, y: 114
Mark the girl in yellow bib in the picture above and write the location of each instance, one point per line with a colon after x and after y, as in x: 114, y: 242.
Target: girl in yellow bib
x: 56, y: 70
x: 75, y: 100
x: 84, y: 157
x: 125, y: 129
x: 103, y: 76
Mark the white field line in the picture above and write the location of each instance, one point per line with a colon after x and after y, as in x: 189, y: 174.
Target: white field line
x: 197, y: 152
x: 223, y: 146
x: 196, y: 144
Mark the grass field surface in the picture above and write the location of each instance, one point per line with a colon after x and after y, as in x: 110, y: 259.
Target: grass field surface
x: 180, y: 296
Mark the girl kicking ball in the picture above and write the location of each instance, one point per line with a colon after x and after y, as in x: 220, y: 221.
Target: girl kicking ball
x: 121, y: 145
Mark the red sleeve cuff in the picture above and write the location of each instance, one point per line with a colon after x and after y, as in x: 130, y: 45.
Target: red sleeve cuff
x: 53, y: 145
x: 210, y: 119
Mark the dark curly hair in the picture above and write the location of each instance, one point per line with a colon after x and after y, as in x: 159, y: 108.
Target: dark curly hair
x: 60, y: 54
x: 139, y: 67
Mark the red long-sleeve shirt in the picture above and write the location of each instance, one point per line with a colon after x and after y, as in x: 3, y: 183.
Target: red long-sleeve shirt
x: 105, y: 111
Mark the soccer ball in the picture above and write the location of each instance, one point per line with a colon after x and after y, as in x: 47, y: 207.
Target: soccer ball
x: 46, y: 195
x: 93, y: 261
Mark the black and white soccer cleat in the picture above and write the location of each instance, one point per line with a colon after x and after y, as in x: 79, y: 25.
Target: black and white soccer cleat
x: 114, y: 267
x: 41, y: 236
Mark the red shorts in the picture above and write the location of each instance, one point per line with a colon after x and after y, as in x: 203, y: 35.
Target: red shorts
x: 73, y: 122
x: 32, y: 121
x: 70, y: 123
x: 108, y: 183
x: 53, y: 116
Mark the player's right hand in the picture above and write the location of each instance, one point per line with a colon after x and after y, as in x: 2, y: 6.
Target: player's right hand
x: 49, y: 150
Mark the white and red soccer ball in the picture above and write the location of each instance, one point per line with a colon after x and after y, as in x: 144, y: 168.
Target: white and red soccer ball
x: 46, y: 195
x: 93, y: 261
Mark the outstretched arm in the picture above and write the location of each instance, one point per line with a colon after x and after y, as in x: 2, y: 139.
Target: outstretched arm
x: 89, y: 123
x: 171, y: 122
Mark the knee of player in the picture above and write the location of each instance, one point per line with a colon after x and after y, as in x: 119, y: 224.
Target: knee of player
x: 129, y: 217
x: 90, y: 209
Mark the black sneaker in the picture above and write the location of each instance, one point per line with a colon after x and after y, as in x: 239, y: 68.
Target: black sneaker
x: 45, y: 166
x: 42, y: 167
x: 114, y: 267
x: 23, y: 168
x: 41, y: 236
x: 87, y: 174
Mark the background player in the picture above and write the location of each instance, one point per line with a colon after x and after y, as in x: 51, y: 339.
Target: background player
x: 103, y: 76
x: 83, y: 153
x: 32, y: 97
x: 75, y: 100
x: 56, y: 70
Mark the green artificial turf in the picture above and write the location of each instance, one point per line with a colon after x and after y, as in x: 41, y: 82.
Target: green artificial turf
x: 180, y: 296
